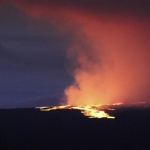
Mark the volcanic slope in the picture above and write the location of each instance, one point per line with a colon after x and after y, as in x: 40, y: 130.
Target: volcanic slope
x: 69, y: 129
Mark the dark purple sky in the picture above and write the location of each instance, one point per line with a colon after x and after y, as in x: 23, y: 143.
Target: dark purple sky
x: 32, y: 60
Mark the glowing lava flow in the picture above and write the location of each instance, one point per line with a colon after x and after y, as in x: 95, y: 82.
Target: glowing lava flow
x: 91, y: 111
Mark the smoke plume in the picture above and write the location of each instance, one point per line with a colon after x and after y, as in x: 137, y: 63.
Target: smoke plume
x: 109, y: 51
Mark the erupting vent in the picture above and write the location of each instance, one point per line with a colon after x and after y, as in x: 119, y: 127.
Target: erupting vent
x: 91, y: 111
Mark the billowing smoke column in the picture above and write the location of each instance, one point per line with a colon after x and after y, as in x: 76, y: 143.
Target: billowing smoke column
x: 109, y: 51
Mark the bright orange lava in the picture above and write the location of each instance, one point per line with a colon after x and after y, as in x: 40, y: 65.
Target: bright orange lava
x: 91, y: 111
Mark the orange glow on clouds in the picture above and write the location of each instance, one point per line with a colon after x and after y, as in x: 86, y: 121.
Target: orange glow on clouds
x: 116, y: 68
x: 109, y: 53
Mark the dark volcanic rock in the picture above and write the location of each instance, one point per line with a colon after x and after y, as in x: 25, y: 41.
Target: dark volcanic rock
x: 69, y: 129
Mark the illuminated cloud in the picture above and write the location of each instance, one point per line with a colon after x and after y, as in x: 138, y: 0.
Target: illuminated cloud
x: 108, y: 48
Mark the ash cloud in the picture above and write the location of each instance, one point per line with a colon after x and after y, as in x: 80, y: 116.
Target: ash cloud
x: 97, y: 6
x: 109, y: 39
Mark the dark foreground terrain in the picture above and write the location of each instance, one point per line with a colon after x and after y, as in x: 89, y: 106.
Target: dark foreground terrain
x: 68, y: 129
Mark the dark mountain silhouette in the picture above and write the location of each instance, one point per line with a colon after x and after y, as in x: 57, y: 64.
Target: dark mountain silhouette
x: 69, y: 129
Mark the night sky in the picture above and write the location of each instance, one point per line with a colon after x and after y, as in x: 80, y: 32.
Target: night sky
x: 46, y: 45
x: 32, y: 60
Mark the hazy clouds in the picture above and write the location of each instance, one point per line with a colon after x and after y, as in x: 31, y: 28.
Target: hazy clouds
x: 106, y: 43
